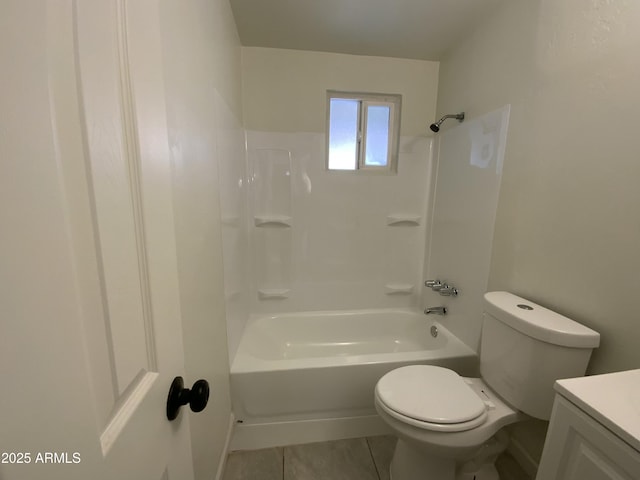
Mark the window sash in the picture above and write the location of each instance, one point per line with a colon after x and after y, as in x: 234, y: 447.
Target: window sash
x: 363, y: 134
x: 340, y: 158
x: 365, y: 100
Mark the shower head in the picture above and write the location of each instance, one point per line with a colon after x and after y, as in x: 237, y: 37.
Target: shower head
x: 435, y: 127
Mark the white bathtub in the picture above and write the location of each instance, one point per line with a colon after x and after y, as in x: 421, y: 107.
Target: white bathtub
x: 312, y: 370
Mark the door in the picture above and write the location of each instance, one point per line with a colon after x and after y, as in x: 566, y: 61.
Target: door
x: 90, y: 331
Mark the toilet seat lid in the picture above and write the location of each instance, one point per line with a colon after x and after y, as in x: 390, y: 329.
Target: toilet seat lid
x: 429, y: 394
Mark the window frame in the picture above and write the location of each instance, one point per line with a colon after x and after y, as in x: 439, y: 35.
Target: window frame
x: 394, y: 102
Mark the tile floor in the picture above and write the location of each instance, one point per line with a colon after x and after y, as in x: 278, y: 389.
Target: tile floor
x: 351, y: 459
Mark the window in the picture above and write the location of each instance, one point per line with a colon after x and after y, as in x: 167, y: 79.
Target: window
x: 363, y: 131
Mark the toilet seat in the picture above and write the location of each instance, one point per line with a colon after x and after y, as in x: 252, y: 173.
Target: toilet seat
x: 430, y: 397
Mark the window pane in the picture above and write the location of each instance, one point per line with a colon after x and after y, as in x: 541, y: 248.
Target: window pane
x: 343, y: 134
x: 377, y: 136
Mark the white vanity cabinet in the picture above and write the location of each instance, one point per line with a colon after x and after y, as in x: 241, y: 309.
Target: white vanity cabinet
x: 594, y: 432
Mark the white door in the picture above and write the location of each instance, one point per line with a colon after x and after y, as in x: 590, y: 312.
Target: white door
x: 90, y: 332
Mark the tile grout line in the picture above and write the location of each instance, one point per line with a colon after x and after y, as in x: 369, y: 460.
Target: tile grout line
x: 372, y: 459
x: 283, y: 449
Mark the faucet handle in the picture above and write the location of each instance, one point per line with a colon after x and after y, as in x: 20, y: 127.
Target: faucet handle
x: 431, y: 283
x: 448, y: 291
x: 436, y: 310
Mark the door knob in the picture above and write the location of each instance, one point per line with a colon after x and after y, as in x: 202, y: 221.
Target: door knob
x: 197, y: 397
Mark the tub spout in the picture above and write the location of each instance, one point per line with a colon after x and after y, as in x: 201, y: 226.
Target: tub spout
x: 436, y: 310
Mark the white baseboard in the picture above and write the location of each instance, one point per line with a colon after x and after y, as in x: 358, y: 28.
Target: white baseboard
x: 524, y: 459
x: 266, y: 435
x: 223, y: 456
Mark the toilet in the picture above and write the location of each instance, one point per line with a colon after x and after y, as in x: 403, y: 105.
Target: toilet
x: 450, y: 427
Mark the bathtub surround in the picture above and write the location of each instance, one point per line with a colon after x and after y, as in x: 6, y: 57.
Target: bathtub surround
x: 344, y: 240
x: 567, y: 215
x: 470, y: 158
x: 299, y: 238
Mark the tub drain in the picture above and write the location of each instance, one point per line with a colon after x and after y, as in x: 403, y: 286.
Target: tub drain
x: 434, y: 331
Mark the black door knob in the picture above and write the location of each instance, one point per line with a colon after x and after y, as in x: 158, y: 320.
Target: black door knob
x: 197, y: 397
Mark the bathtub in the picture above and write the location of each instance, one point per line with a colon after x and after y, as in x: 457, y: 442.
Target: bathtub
x: 311, y: 376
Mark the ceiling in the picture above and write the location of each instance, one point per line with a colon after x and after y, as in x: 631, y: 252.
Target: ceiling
x: 419, y: 29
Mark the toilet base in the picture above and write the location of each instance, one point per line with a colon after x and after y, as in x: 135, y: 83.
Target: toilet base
x: 411, y: 463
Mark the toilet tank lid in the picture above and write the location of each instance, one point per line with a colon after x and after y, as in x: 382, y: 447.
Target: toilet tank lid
x: 539, y: 322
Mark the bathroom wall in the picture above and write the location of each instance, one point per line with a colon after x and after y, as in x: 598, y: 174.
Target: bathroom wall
x: 285, y: 90
x: 567, y: 228
x: 323, y: 240
x: 201, y: 54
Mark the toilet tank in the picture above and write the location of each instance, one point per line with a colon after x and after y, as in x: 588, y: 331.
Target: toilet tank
x: 525, y: 348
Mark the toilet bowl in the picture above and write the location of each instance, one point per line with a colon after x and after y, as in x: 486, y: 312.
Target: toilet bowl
x: 457, y: 422
x: 451, y: 431
x: 450, y: 427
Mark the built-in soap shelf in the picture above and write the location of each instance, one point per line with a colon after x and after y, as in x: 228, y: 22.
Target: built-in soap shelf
x: 273, y: 293
x: 272, y: 221
x: 398, y: 288
x: 403, y: 220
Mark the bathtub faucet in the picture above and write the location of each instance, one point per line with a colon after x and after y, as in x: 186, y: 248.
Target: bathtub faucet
x: 436, y: 310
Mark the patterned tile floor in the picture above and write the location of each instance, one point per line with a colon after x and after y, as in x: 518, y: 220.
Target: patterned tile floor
x: 351, y: 459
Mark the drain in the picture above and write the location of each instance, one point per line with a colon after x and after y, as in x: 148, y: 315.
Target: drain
x: 434, y: 331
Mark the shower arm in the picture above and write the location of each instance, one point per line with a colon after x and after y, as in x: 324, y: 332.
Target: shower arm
x: 457, y: 116
x: 435, y: 127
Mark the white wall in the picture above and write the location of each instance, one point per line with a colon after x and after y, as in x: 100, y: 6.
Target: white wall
x: 285, y: 90
x: 567, y: 229
x: 339, y: 252
x: 202, y: 77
